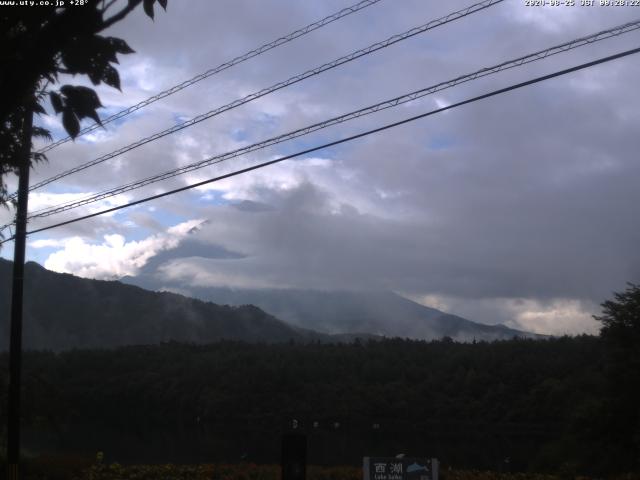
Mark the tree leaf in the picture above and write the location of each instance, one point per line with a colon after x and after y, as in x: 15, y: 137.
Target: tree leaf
x: 83, y: 101
x: 79, y: 54
x: 66, y: 89
x: 42, y: 133
x: 88, y: 54
x: 81, y: 97
x: 95, y: 77
x: 87, y: 112
x: 95, y: 117
x: 51, y: 76
x: 37, y: 108
x: 56, y: 102
x: 148, y: 8
x: 108, y: 54
x: 111, y: 77
x: 120, y: 45
x: 70, y: 122
x: 39, y: 157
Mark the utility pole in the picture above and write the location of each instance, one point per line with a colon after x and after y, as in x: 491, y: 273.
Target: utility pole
x: 15, y: 339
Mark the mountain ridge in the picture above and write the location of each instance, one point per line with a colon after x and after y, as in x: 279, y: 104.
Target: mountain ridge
x: 382, y: 313
x: 63, y: 311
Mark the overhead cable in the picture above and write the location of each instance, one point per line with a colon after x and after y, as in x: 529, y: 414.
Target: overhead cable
x: 280, y: 85
x: 224, y: 66
x: 532, y: 57
x: 344, y: 140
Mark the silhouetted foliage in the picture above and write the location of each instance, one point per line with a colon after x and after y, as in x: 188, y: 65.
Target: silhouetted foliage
x: 535, y: 402
x: 621, y: 317
x: 620, y: 333
x: 36, y: 45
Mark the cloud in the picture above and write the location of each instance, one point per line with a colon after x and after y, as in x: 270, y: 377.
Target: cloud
x: 303, y: 241
x: 520, y: 207
x: 114, y: 257
x: 44, y: 200
x: 555, y: 316
x: 45, y: 243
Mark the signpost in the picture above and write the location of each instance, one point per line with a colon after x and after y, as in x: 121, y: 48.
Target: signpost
x: 294, y: 456
x: 405, y: 468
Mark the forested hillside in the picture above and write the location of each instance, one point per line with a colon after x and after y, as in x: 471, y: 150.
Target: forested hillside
x: 511, y: 405
x: 64, y: 311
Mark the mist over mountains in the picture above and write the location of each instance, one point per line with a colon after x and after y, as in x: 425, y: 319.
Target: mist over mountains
x: 348, y: 312
x: 62, y: 311
x: 338, y: 312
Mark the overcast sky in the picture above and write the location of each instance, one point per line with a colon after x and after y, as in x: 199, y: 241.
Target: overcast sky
x: 520, y: 209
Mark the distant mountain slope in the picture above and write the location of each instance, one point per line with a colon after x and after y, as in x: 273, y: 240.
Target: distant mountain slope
x: 62, y: 311
x: 348, y: 312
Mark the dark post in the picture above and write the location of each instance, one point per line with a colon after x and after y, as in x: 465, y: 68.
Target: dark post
x: 294, y: 456
x: 15, y: 339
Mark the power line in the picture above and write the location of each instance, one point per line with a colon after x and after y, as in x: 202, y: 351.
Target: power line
x: 344, y: 140
x: 280, y: 85
x: 542, y: 54
x: 599, y: 36
x: 187, y: 83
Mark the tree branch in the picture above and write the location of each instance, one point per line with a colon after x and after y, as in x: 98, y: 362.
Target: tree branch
x: 43, y: 89
x: 119, y: 16
x: 108, y: 5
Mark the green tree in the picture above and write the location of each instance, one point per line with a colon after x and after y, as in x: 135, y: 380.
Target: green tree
x: 620, y: 333
x: 621, y: 317
x: 39, y: 43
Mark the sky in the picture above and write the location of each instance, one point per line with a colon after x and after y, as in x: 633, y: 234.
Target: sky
x: 521, y: 209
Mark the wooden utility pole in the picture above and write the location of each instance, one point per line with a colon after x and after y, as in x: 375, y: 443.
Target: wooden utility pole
x: 15, y: 339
